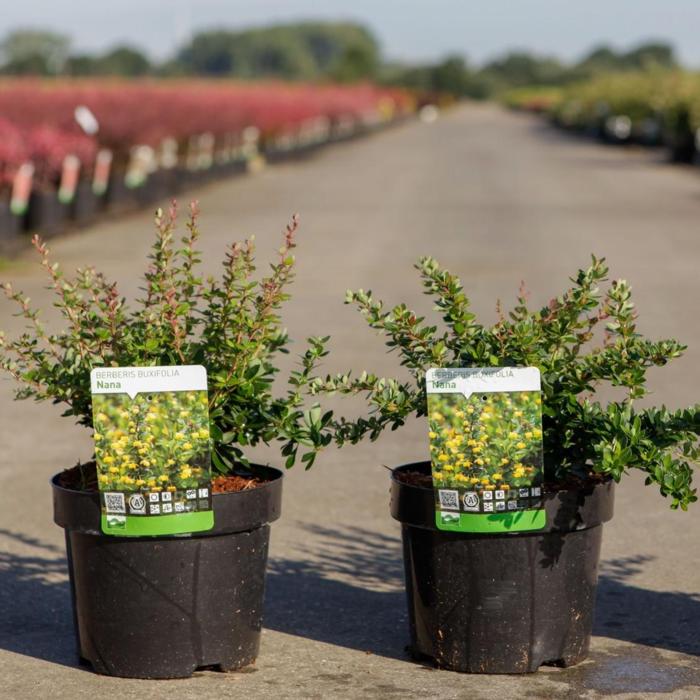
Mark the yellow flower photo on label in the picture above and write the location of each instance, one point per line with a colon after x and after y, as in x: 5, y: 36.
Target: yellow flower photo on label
x: 139, y: 441
x: 487, y: 442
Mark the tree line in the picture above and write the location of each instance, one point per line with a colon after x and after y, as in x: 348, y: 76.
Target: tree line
x: 339, y: 51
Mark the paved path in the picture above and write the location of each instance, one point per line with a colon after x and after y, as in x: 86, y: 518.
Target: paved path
x: 500, y: 198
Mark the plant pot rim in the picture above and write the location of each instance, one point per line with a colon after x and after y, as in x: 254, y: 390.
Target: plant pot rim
x: 567, y: 510
x: 273, y: 472
x: 234, y: 511
x: 547, y: 494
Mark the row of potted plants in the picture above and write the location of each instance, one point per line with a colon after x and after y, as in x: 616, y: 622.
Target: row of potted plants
x: 650, y: 108
x: 160, y: 607
x: 71, y: 149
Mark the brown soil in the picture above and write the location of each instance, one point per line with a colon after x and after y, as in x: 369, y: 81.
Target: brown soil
x: 226, y: 484
x: 83, y: 477
x: 415, y: 479
x: 423, y: 480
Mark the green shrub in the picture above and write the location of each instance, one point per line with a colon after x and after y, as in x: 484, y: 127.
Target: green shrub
x: 670, y: 96
x: 230, y: 325
x: 532, y: 99
x: 581, y: 341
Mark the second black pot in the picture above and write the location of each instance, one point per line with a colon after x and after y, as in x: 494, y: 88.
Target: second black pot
x: 487, y: 603
x: 85, y: 205
x: 161, y: 607
x: 46, y: 214
x: 10, y: 229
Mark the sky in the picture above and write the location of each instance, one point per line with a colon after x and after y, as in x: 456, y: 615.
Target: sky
x: 411, y: 30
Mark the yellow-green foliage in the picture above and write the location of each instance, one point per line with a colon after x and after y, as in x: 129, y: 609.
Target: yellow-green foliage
x: 637, y: 95
x: 533, y: 99
x: 679, y: 100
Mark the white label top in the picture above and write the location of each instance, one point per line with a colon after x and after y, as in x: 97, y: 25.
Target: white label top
x: 141, y: 380
x: 474, y: 380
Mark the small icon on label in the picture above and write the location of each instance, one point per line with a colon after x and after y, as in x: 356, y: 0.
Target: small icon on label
x: 500, y: 505
x: 167, y: 507
x: 179, y: 507
x: 471, y: 501
x: 114, y: 503
x: 202, y: 505
x: 154, y: 497
x: 536, y: 491
x: 449, y: 518
x: 449, y: 499
x: 488, y: 507
x: 512, y: 505
x: 523, y: 493
x: 137, y: 503
x: 154, y: 509
x: 523, y: 505
x: 500, y: 494
x: 487, y: 495
x: 117, y: 522
x: 167, y: 496
x: 203, y: 493
x: 191, y: 493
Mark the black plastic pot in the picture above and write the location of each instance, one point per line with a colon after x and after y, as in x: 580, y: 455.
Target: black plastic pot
x: 148, y: 192
x: 648, y: 131
x: 679, y: 139
x: 502, y: 603
x: 161, y: 607
x: 46, y: 214
x: 165, y: 185
x: 85, y: 205
x: 10, y: 228
x: 230, y: 169
x: 119, y: 198
x: 190, y: 179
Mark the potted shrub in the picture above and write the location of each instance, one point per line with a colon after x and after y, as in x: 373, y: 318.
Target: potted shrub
x: 13, y: 159
x: 510, y: 602
x: 159, y: 607
x: 87, y: 200
x: 680, y: 103
x: 9, y: 225
x: 50, y: 147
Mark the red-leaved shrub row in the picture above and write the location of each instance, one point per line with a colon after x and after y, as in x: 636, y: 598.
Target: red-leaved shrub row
x: 37, y: 118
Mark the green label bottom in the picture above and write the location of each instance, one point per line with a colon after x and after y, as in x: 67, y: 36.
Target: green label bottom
x: 175, y: 524
x: 518, y: 521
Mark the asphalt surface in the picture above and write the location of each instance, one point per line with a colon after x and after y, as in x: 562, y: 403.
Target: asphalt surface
x: 499, y: 198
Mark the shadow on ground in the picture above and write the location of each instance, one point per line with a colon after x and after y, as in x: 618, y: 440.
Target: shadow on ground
x: 350, y: 593
x: 653, y: 618
x: 345, y: 588
x: 36, y: 618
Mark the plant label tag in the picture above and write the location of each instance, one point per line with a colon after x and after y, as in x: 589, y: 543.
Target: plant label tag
x: 21, y: 189
x: 152, y: 449
x: 103, y: 165
x: 485, y: 430
x: 69, y: 179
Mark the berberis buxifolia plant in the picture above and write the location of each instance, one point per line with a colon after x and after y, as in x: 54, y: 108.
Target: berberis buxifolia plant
x: 508, y: 603
x: 162, y: 606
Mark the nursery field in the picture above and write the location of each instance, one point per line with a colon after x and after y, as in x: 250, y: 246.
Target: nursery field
x: 498, y: 198
x: 75, y: 151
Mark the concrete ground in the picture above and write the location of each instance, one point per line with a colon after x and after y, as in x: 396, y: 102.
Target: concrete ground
x: 499, y: 198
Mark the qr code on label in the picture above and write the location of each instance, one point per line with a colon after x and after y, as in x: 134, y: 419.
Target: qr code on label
x: 114, y: 503
x: 449, y: 500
